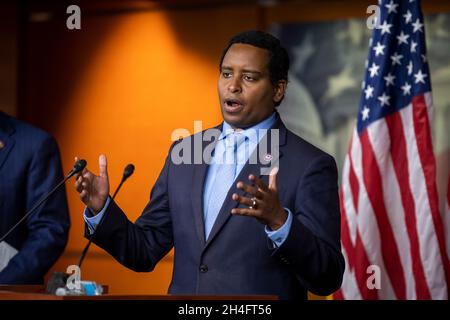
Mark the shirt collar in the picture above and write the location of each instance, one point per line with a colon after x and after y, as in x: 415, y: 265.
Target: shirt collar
x: 265, y: 124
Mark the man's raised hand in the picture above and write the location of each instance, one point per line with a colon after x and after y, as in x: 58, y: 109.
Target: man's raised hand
x: 93, y: 190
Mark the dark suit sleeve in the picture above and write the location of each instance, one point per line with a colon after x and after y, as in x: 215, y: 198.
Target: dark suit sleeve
x: 312, y: 249
x: 47, y: 227
x: 140, y: 245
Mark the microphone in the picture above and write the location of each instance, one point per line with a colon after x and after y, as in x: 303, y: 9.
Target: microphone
x: 78, y: 167
x: 127, y: 172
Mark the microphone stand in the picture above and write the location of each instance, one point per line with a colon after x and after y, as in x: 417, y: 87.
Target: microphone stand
x: 129, y: 169
x: 86, y: 248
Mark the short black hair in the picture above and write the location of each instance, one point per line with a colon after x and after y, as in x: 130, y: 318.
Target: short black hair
x: 278, y: 56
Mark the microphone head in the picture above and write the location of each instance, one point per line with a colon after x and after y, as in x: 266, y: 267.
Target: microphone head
x: 56, y: 281
x: 79, y: 166
x: 128, y: 171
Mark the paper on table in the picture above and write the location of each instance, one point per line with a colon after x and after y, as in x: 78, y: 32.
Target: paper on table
x: 7, y: 252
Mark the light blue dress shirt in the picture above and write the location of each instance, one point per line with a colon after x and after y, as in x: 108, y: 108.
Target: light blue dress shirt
x: 252, y: 137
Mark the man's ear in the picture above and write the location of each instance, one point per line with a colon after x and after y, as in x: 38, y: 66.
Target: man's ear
x: 279, y: 90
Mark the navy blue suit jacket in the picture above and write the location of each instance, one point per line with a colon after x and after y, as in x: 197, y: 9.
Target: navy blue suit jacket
x: 30, y: 167
x: 237, y: 258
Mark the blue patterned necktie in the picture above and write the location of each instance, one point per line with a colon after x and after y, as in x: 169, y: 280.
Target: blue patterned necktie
x: 224, y: 179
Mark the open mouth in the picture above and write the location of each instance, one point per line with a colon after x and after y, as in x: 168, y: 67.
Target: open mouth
x: 233, y: 105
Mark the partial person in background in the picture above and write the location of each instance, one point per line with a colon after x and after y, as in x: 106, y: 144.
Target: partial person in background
x: 30, y: 167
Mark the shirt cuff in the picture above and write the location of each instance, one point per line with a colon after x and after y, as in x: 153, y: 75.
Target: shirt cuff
x: 280, y: 235
x: 93, y: 221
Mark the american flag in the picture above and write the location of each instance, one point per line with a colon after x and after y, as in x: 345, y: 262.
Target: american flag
x: 389, y: 201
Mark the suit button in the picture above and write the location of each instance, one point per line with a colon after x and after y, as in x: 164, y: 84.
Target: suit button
x: 203, y: 268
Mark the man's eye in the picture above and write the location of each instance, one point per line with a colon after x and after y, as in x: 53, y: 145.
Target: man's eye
x: 226, y: 74
x: 249, y: 78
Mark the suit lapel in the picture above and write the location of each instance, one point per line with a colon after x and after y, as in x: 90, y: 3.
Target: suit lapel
x: 249, y: 168
x: 197, y: 200
x: 6, y: 132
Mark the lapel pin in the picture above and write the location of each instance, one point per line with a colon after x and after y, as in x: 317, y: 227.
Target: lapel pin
x: 267, y: 157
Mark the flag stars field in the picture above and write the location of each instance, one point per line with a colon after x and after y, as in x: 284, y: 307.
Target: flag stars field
x: 406, y: 89
x: 420, y: 77
x: 384, y: 99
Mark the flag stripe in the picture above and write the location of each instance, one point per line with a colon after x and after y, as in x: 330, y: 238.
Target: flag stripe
x: 425, y: 151
x: 400, y: 162
x: 389, y: 250
x: 358, y: 263
x: 354, y: 185
x: 366, y: 224
x: 448, y: 193
x: 338, y: 295
x: 350, y: 195
x: 446, y: 219
x: 429, y: 249
x: 381, y: 141
x: 349, y: 289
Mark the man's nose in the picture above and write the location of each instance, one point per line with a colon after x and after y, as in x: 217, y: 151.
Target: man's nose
x: 234, y: 85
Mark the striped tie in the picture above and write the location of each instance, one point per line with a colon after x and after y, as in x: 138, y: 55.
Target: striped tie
x: 225, y: 176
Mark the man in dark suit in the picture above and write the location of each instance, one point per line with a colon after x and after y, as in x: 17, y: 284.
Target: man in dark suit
x: 235, y: 230
x: 30, y: 167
